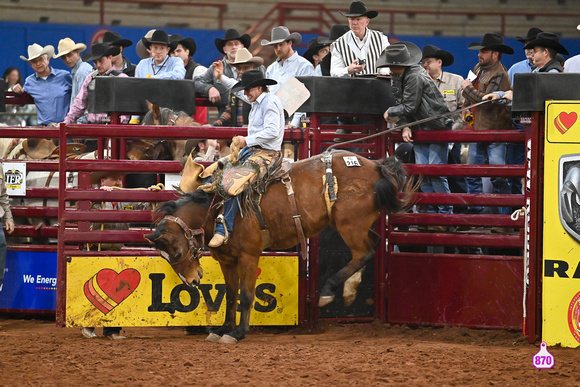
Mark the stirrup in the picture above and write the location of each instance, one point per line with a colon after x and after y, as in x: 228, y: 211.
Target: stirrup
x: 221, y: 219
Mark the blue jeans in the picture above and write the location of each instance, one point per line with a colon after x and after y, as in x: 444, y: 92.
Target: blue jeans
x: 515, y: 155
x: 231, y: 206
x: 435, y: 153
x: 3, y: 250
x: 495, y: 154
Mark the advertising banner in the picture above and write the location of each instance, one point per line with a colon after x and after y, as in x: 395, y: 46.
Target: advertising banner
x: 146, y: 291
x: 561, y: 239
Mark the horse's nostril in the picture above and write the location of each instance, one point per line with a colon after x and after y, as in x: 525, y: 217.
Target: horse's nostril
x: 194, y: 283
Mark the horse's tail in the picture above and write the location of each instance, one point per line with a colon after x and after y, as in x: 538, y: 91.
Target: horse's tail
x: 393, y: 181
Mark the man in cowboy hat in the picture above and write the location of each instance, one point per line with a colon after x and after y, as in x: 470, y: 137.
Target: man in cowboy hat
x: 185, y: 48
x: 121, y: 63
x: 207, y: 85
x: 572, y: 65
x: 491, y: 76
x: 526, y: 65
x: 318, y: 48
x: 545, y: 47
x: 161, y: 65
x: 288, y: 64
x: 410, y: 79
x: 336, y: 31
x: 237, y: 110
x: 70, y: 53
x: 357, y: 51
x: 102, y: 56
x: 264, y: 139
x: 49, y: 87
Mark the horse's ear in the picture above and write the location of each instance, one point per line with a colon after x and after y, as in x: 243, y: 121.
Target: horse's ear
x: 149, y: 105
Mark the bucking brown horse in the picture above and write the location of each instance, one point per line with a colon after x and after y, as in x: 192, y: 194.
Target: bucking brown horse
x: 364, y: 188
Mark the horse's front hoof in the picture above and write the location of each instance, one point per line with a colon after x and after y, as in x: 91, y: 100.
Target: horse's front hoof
x: 213, y: 338
x: 227, y: 339
x: 325, y: 300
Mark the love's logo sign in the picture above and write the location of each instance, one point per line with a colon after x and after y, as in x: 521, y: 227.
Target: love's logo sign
x: 564, y: 121
x: 107, y: 289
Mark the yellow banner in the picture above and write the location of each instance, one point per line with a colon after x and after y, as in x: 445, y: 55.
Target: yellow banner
x: 561, y: 239
x: 146, y: 291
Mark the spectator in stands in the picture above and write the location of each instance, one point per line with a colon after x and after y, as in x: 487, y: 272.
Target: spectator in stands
x: 102, y: 56
x: 185, y: 48
x: 433, y: 60
x: 318, y: 48
x: 238, y: 109
x: 526, y: 65
x: 49, y: 87
x: 336, y: 31
x: 572, y: 65
x: 357, y: 51
x: 7, y: 221
x: 208, y: 85
x: 11, y: 77
x: 545, y: 47
x: 417, y: 98
x: 161, y: 65
x: 289, y: 64
x: 70, y: 53
x: 491, y: 76
x: 121, y: 63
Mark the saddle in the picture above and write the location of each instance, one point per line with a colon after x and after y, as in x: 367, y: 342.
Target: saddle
x: 44, y: 148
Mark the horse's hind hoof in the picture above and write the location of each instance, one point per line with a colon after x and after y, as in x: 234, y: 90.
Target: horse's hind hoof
x: 213, y: 338
x: 226, y: 339
x: 325, y: 300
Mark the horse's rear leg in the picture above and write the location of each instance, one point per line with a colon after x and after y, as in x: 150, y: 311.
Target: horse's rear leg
x: 231, y: 277
x: 362, y: 249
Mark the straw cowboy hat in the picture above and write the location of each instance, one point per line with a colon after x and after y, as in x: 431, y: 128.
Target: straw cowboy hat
x: 314, y: 46
x: 114, y: 39
x: 232, y: 34
x: 358, y: 8
x: 67, y: 45
x: 244, y: 56
x: 36, y: 50
x: 282, y: 34
x: 492, y: 42
x: 532, y: 33
x: 97, y: 176
x: 547, y: 40
x: 251, y: 79
x: 38, y: 148
x: 99, y: 50
x: 403, y: 54
x: 187, y: 43
x: 446, y: 57
x: 140, y: 47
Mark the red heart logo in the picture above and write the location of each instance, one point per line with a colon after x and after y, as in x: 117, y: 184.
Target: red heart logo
x: 564, y: 121
x: 107, y: 289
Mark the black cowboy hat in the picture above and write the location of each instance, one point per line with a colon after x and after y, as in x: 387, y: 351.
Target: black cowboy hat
x: 99, y: 50
x: 252, y: 78
x: 114, y: 39
x: 159, y: 37
x: 403, y: 54
x: 446, y: 57
x: 337, y: 30
x: 358, y: 8
x: 188, y: 43
x: 492, y: 42
x: 547, y: 40
x: 314, y: 45
x: 232, y: 34
x: 532, y: 33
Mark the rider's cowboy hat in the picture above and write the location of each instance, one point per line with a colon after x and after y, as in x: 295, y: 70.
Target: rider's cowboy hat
x: 251, y: 79
x: 99, y: 50
x: 232, y: 34
x: 67, y: 45
x: 244, y: 56
x: 358, y: 8
x: 38, y: 148
x: 158, y: 37
x: 114, y: 39
x: 547, y: 40
x: 282, y: 34
x: 140, y: 47
x: 97, y: 176
x: 187, y: 43
x: 532, y: 33
x: 403, y: 54
x: 314, y: 46
x: 493, y: 42
x: 446, y: 57
x: 36, y: 50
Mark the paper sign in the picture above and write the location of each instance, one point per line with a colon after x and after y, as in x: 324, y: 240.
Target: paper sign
x: 471, y: 76
x: 15, y: 178
x: 293, y: 94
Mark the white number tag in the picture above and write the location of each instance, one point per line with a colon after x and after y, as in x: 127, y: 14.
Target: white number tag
x: 351, y: 161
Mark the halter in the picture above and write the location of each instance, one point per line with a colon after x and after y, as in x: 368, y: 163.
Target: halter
x: 195, y: 253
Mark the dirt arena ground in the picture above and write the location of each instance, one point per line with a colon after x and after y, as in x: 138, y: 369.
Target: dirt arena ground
x: 36, y: 353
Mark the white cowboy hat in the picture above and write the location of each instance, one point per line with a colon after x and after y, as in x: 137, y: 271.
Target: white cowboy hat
x: 282, y: 34
x: 67, y: 45
x: 36, y: 50
x: 244, y: 56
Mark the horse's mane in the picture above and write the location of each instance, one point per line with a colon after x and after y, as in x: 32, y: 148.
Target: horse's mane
x: 169, y: 208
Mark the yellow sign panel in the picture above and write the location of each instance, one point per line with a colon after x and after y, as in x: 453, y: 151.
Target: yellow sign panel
x: 561, y: 239
x: 146, y: 291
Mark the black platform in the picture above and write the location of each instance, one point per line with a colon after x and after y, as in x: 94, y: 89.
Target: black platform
x: 532, y: 90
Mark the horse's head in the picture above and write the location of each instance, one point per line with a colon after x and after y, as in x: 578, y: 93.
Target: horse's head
x: 180, y: 236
